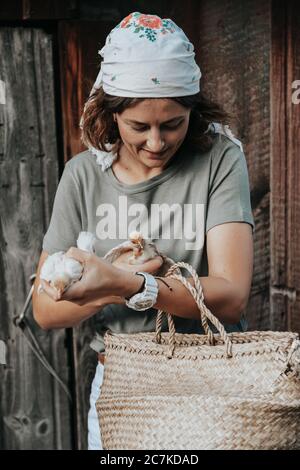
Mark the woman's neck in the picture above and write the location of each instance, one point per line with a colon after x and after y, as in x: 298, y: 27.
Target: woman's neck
x: 130, y: 171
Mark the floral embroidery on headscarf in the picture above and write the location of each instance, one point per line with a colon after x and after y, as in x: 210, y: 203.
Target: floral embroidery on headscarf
x: 150, y: 21
x: 148, y: 25
x: 125, y: 22
x: 155, y: 80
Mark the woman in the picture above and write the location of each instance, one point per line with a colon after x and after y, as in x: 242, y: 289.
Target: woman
x: 157, y: 164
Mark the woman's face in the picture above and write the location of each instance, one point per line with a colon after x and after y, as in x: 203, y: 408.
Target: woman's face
x: 153, y: 130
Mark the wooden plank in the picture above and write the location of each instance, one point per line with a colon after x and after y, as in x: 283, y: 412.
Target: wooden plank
x: 285, y: 168
x: 35, y: 413
x: 293, y: 166
x: 79, y: 42
x: 233, y: 49
x: 278, y: 163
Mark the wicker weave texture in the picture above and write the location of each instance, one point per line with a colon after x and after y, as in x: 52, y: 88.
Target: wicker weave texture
x: 201, y: 398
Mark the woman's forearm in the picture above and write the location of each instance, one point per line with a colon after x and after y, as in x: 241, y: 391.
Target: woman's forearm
x: 65, y: 314
x: 220, y: 297
x: 50, y: 314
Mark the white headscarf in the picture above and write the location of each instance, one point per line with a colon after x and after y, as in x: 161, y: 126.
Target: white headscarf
x: 147, y: 56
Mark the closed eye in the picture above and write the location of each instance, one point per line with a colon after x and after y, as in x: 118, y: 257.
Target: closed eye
x: 143, y: 129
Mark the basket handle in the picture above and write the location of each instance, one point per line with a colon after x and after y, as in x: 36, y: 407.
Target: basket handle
x: 205, y: 313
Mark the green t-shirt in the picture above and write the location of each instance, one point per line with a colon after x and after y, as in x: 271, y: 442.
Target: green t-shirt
x: 175, y: 209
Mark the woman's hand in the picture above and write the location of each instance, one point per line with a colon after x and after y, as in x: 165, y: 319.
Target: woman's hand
x: 98, y: 282
x: 101, y: 281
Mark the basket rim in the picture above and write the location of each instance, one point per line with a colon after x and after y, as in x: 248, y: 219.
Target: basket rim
x: 236, y: 337
x: 145, y: 343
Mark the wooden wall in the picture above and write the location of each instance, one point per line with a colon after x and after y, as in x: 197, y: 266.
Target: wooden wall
x: 34, y: 412
x: 234, y: 50
x: 249, y: 56
x: 285, y: 167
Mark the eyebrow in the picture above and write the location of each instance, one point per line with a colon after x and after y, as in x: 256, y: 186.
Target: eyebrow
x: 131, y: 121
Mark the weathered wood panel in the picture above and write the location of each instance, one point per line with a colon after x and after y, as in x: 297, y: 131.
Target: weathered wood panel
x: 293, y: 158
x: 79, y: 42
x: 279, y: 175
x: 285, y: 166
x: 34, y: 412
x: 233, y: 49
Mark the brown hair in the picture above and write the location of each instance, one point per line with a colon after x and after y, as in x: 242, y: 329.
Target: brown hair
x: 99, y: 128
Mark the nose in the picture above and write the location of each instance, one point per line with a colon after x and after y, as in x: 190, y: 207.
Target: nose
x: 155, y: 142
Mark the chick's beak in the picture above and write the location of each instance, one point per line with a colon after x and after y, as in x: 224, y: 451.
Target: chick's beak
x: 139, y: 242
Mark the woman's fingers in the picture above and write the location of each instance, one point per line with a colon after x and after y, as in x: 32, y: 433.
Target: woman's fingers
x: 79, y: 255
x: 53, y: 293
x: 74, y: 292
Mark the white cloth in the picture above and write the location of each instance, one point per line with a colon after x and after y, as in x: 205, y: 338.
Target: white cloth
x: 216, y: 127
x: 94, y: 432
x: 104, y: 159
x: 148, y: 56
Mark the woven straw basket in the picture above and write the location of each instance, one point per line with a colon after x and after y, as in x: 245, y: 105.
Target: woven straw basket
x: 188, y: 391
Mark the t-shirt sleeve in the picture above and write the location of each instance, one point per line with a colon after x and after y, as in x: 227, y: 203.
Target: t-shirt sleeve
x: 65, y: 223
x: 229, y: 193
